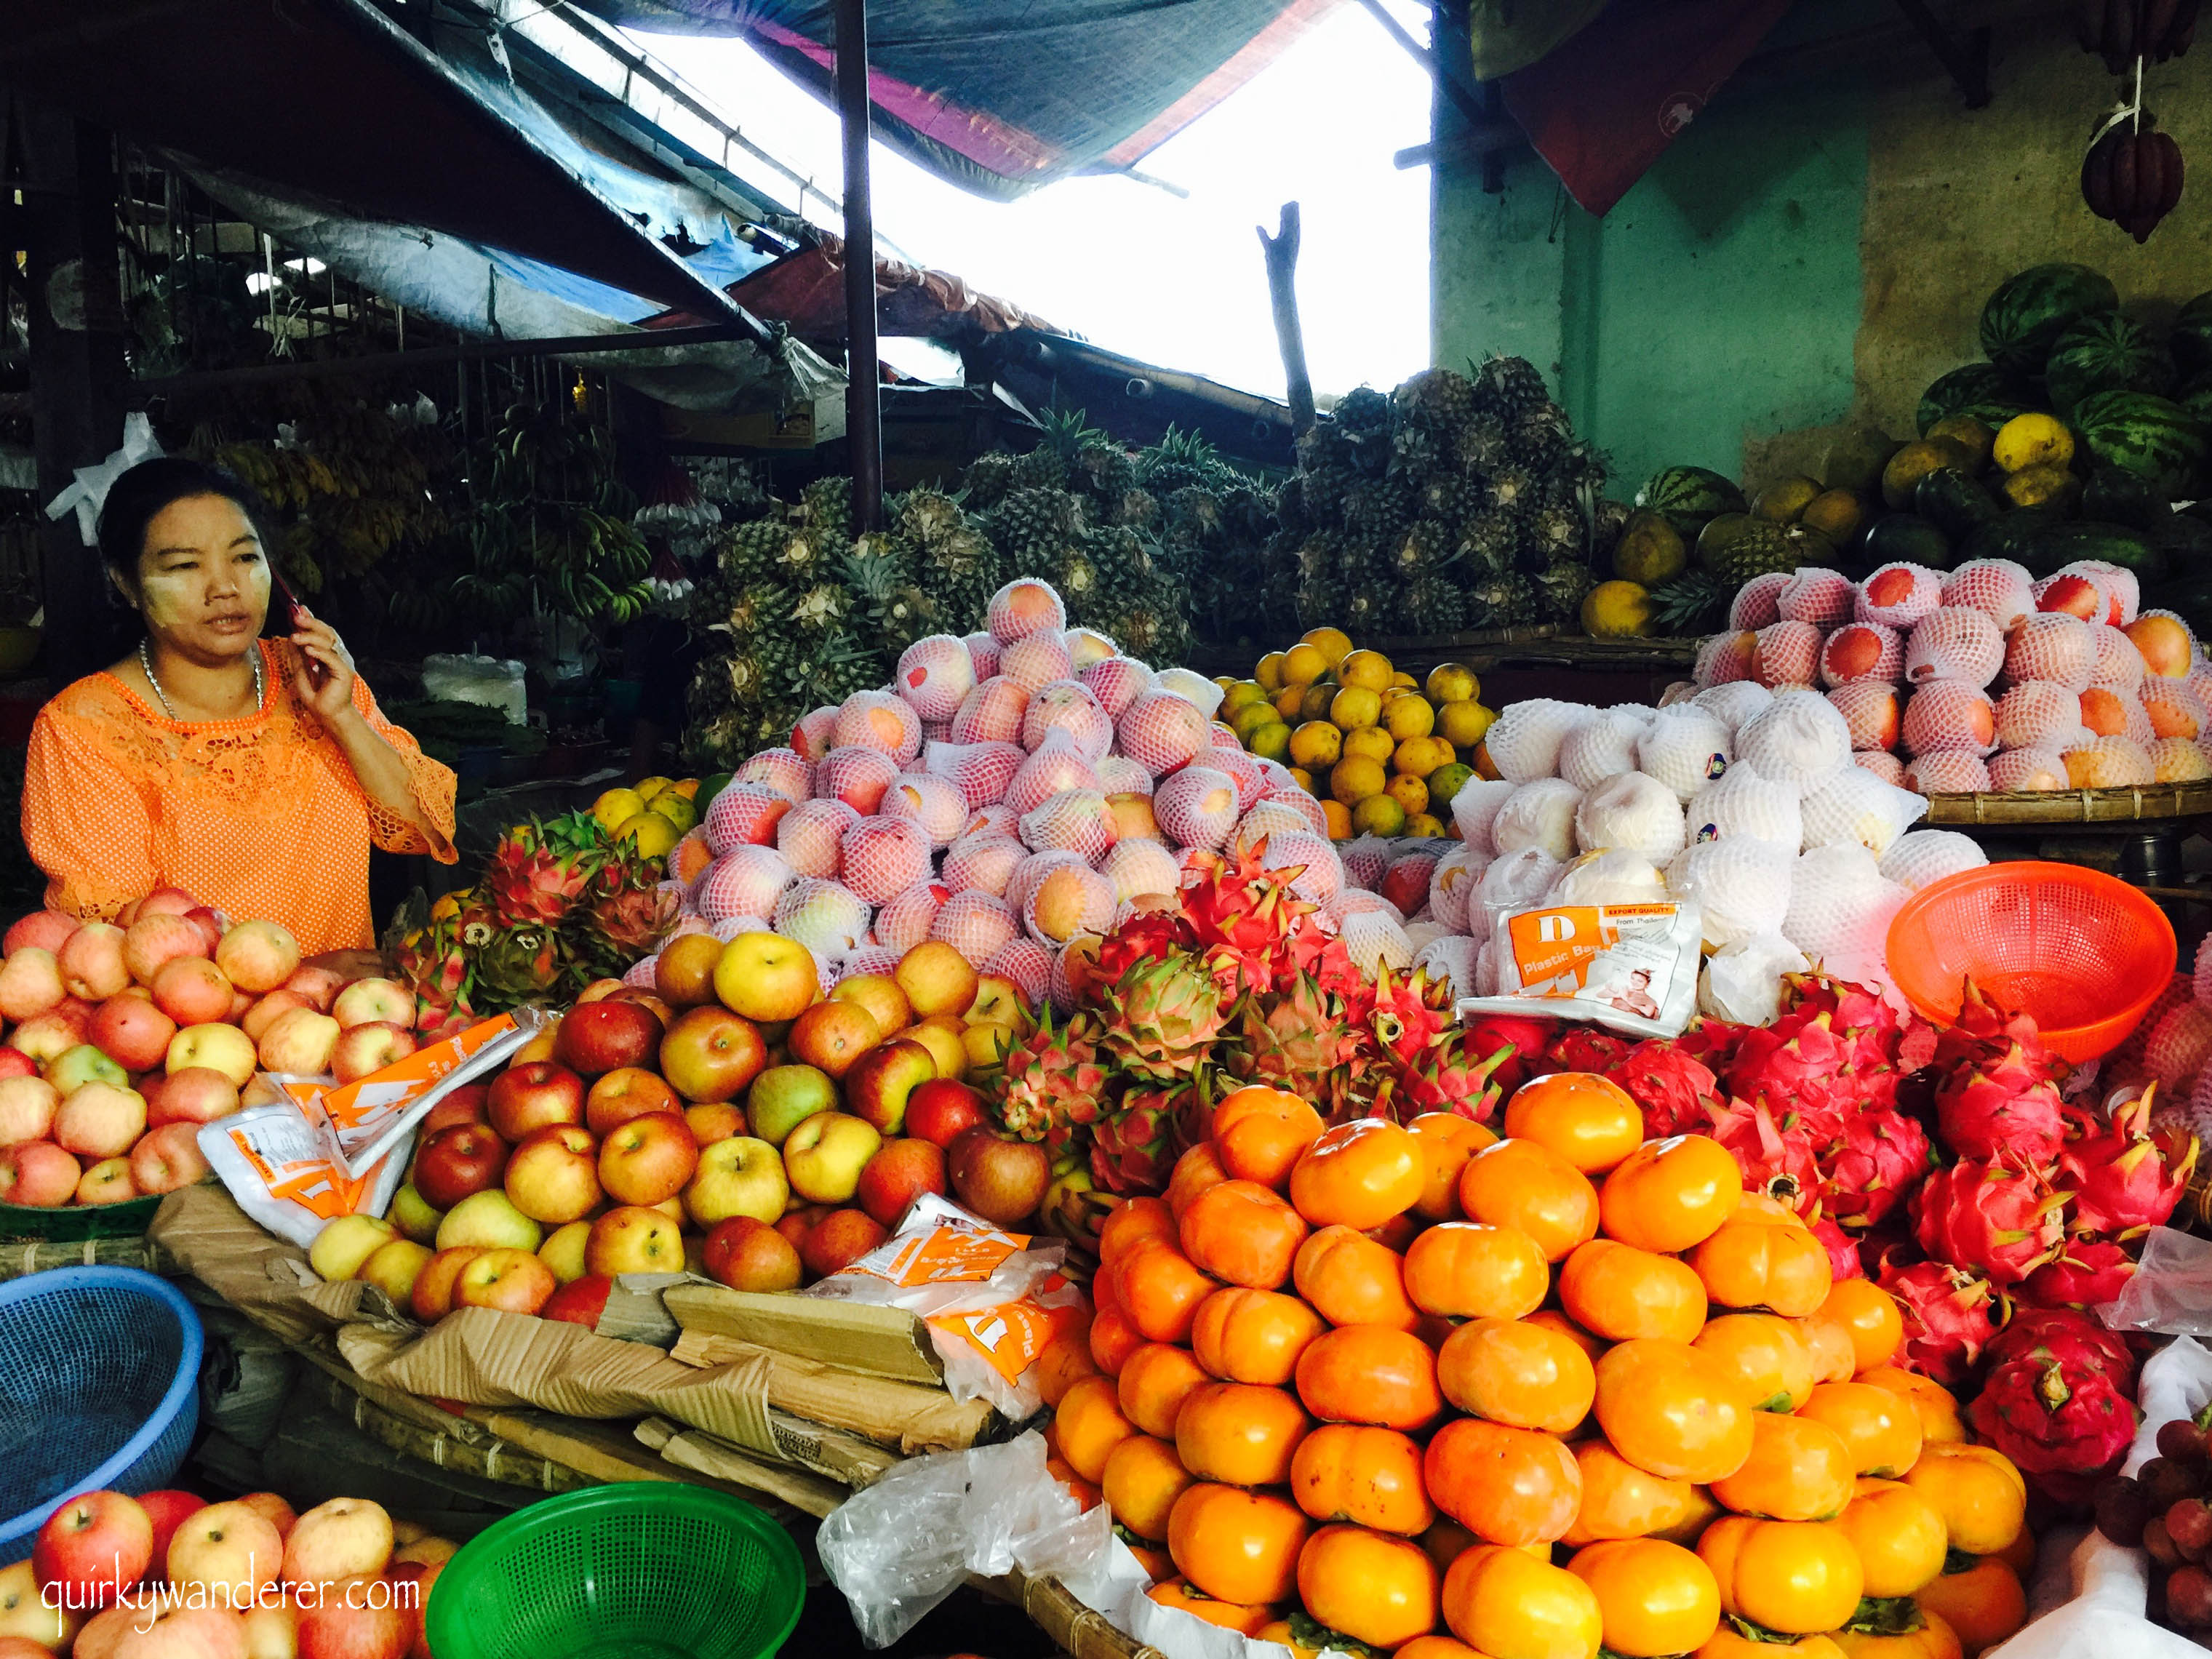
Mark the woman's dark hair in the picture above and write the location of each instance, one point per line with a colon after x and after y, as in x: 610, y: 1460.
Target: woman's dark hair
x: 141, y: 494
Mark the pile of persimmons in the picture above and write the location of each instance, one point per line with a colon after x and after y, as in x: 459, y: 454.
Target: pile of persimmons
x: 1354, y: 1385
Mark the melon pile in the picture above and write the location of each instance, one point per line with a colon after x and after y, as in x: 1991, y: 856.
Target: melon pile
x: 1982, y: 678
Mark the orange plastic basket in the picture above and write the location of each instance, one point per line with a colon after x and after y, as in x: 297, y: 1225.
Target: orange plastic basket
x: 2084, y: 953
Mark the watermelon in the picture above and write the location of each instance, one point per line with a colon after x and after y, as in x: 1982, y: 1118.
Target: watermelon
x: 2009, y: 536
x: 1955, y: 504
x: 1981, y: 390
x: 2106, y: 352
x: 1908, y: 538
x: 2117, y: 496
x: 2152, y: 437
x: 2023, y: 319
x: 2062, y: 543
x: 2191, y: 339
x: 2186, y: 543
x: 1690, y: 496
x: 2197, y: 397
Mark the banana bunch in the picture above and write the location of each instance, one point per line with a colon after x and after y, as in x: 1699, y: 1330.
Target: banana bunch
x: 2132, y: 174
x: 2121, y: 30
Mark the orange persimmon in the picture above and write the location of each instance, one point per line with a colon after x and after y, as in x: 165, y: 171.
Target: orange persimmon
x: 1238, y: 1546
x: 1374, y: 1589
x: 1763, y: 1265
x: 1244, y: 1335
x: 1245, y: 1620
x: 1143, y: 1479
x: 1798, y: 1470
x: 1673, y: 1410
x: 1869, y: 1314
x: 1359, y: 1175
x: 1655, y: 1597
x: 1113, y: 1339
x: 1065, y: 1361
x: 1242, y: 1233
x: 1240, y: 1434
x: 1474, y: 1270
x: 1880, y: 1428
x: 1447, y: 1140
x: 1132, y: 1219
x: 1507, y: 1485
x: 1621, y: 1292
x: 1349, y: 1279
x: 1369, y: 1476
x: 1622, y: 1501
x: 1160, y: 1289
x: 1370, y: 1374
x: 1507, y: 1604
x: 1194, y: 1171
x: 1089, y: 1425
x: 1767, y: 1353
x: 1517, y: 1372
x: 1259, y: 1132
x: 1588, y: 1119
x: 1153, y: 1384
x: 1669, y: 1195
x: 1517, y: 1183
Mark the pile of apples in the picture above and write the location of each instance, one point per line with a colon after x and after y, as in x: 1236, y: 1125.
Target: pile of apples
x: 729, y: 1119
x: 125, y: 1036
x: 168, y: 1575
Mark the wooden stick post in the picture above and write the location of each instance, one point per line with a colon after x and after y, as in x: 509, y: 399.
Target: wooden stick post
x: 1282, y: 254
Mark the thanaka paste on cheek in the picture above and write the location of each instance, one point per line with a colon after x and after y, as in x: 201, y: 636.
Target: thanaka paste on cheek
x: 180, y: 599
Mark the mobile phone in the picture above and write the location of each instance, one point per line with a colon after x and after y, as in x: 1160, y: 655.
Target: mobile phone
x: 316, y: 672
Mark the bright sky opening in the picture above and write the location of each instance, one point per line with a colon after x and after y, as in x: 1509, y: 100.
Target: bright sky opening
x: 1179, y: 284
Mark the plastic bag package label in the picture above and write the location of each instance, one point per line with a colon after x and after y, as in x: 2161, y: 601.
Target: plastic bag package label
x: 363, y: 1119
x: 279, y: 1167
x: 1632, y: 967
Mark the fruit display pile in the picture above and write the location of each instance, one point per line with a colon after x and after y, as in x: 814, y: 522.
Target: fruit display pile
x: 124, y: 1037
x: 167, y: 1574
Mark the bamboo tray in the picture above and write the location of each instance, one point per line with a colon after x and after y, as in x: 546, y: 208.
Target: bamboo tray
x: 2148, y: 803
x: 19, y: 1256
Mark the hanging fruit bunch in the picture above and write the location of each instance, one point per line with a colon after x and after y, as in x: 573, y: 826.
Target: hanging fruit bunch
x: 2122, y: 31
x: 2132, y: 174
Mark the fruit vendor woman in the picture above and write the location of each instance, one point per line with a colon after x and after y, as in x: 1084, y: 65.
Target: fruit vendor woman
x: 254, y: 773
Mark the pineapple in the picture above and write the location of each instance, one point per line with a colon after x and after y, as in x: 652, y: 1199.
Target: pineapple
x: 1559, y: 532
x: 1490, y: 540
x: 1103, y: 467
x: 827, y: 505
x: 1480, y: 448
x: 1506, y: 386
x: 1560, y: 587
x: 753, y: 550
x: 989, y: 476
x: 926, y: 517
x: 1319, y: 602
x: 1504, y: 601
x: 1378, y: 507
x: 1540, y: 434
x: 1693, y: 604
x: 1423, y: 549
x: 1432, y: 604
x: 1510, y: 490
x: 1042, y: 468
x: 1435, y: 397
x: 961, y: 574
x: 1362, y: 413
x: 1369, y: 607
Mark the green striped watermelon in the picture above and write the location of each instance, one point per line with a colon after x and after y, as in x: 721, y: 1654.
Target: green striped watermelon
x: 1690, y: 496
x: 2025, y: 317
x: 2152, y: 437
x: 2191, y: 339
x: 1981, y: 390
x: 2197, y: 397
x: 2105, y: 352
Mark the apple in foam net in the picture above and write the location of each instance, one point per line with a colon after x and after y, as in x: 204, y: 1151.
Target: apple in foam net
x: 364, y: 1049
x: 107, y: 1182
x: 131, y: 1031
x: 648, y: 1160
x: 258, y: 956
x: 742, y: 1176
x: 197, y: 1095
x: 168, y: 1158
x: 511, y: 1281
x: 191, y: 991
x: 230, y: 1549
x: 99, y: 1121
x: 375, y: 1000
x: 457, y: 1162
x: 91, y: 961
x: 94, y: 1546
x: 38, y: 1174
x: 27, y: 1109
x: 553, y: 1176
x: 632, y: 1238
x: 30, y: 983
x: 74, y: 1067
x: 223, y: 1048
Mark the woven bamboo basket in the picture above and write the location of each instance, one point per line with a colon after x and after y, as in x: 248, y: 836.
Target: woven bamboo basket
x: 19, y: 1256
x: 2056, y: 806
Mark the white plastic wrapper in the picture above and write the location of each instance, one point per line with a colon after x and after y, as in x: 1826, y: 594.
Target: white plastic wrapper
x: 1475, y: 808
x: 1919, y: 857
x: 1840, y: 909
x: 1743, y: 803
x: 1512, y: 883
x: 1742, y: 984
x: 1452, y: 884
x: 1614, y: 876
x: 1636, y: 813
x: 1800, y: 739
x: 1686, y: 748
x: 1630, y: 967
x: 1540, y: 813
x: 1191, y: 687
x: 1857, y: 808
x: 1524, y: 740
x: 1740, y: 884
x: 1602, y: 748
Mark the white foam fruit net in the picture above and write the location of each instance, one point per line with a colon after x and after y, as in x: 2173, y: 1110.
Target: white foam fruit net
x: 1954, y: 641
x: 2000, y: 589
x: 1686, y: 748
x: 1735, y: 702
x: 2051, y: 644
x: 1921, y: 856
x: 1948, y: 772
x: 1452, y: 884
x: 1027, y: 963
x: 1057, y: 765
x: 1743, y: 803
x: 1024, y: 607
x: 982, y: 771
x: 1739, y: 886
x: 1374, y: 939
x: 1615, y: 876
x: 1817, y: 595
x: 1801, y: 738
x: 1787, y: 653
x: 1857, y: 808
x: 974, y: 924
x: 1068, y: 706
x: 1366, y: 858
x: 1070, y: 900
x: 879, y: 719
x: 1116, y: 683
x: 1881, y: 763
x: 1602, y: 748
x: 1898, y: 595
x: 881, y: 858
x: 1036, y: 660
x: 903, y: 922
x: 1514, y: 881
x: 828, y: 919
x: 936, y: 803
x: 1197, y: 807
x: 1321, y: 872
x: 982, y: 651
x: 1161, y: 731
x: 746, y: 881
x: 1949, y: 714
x: 992, y: 713
x: 982, y: 863
x: 1137, y: 867
x: 1524, y: 740
x: 1840, y: 907
x: 2022, y: 769
x: 1076, y: 821
x: 1869, y: 709
x: 1758, y: 603
x: 784, y: 770
x: 1540, y: 813
x: 1450, y: 960
x: 855, y: 776
x: 933, y: 674
x: 1635, y: 812
x: 1863, y: 651
x: 1190, y: 684
x: 739, y: 814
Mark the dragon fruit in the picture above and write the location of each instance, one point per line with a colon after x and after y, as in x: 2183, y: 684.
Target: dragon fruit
x: 2123, y: 1180
x: 1776, y: 1160
x: 1873, y: 1166
x: 2001, y: 1102
x: 1528, y: 1036
x: 1950, y: 1316
x: 1998, y: 1217
x: 1134, y: 1150
x: 1843, y: 1253
x: 1677, y: 1091
x: 2086, y: 1274
x: 2056, y: 1400
x: 528, y: 881
x: 1051, y: 1083
x: 1585, y: 1049
x: 1302, y: 1041
x: 1446, y: 1077
x: 1805, y: 1075
x: 1159, y: 1020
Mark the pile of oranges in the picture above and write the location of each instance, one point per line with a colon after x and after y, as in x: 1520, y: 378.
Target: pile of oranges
x: 1363, y: 1384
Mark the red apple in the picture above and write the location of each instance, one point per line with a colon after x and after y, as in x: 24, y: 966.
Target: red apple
x: 208, y: 920
x: 899, y: 1175
x: 881, y: 1085
x: 274, y: 1509
x: 265, y: 1011
x: 46, y: 1037
x: 300, y: 1042
x: 30, y: 983
x: 632, y: 1238
x: 45, y: 930
x: 374, y: 1001
x: 192, y: 991
x: 711, y: 1053
x: 38, y: 1174
x: 457, y: 1162
x: 797, y: 1221
x: 513, y: 1281
x: 94, y: 1547
x: 28, y: 1105
x: 831, y: 1035
x: 320, y: 985
x: 364, y: 1049
x: 348, y: 1626
x: 579, y: 1302
x: 599, y: 1036
x: 167, y: 1510
x: 712, y: 1121
x: 466, y: 1102
x: 91, y: 961
x: 432, y: 1298
x: 553, y: 1174
x: 683, y: 972
x: 14, y: 1062
x: 941, y: 1111
x: 168, y: 1158
x: 838, y: 1240
x: 99, y: 1121
x: 1001, y: 1181
x: 748, y: 1254
x: 540, y: 1095
x: 152, y: 940
x: 646, y: 997
x: 107, y: 1182
x: 258, y: 956
x: 132, y: 1032
x: 197, y: 1095
x: 648, y: 1159
x: 167, y: 902
x: 626, y: 1092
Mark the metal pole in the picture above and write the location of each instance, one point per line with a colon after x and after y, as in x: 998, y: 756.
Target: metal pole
x: 864, y: 430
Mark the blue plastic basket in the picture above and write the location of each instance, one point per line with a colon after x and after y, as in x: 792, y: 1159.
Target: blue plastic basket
x: 99, y: 1390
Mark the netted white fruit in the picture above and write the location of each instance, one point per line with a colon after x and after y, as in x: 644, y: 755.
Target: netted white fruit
x: 992, y: 713
x: 868, y: 959
x: 1485, y: 968
x: 2036, y: 714
x: 1357, y: 902
x: 1822, y: 597
x: 1743, y: 984
x: 1613, y: 875
x: 1366, y: 858
x: 1475, y: 808
x: 1840, y: 907
x: 1514, y: 881
x: 745, y: 881
x: 1137, y: 867
x: 1452, y: 883
x: 935, y: 731
x: 2179, y: 1045
x: 1120, y: 775
x: 810, y: 738
x: 1602, y: 748
x: 743, y: 815
x: 1739, y: 886
x: 2000, y: 589
x: 879, y: 719
x: 2173, y: 708
x: 2054, y: 646
x: 1686, y: 748
x: 1723, y: 658
x: 1857, y: 808
x: 1068, y: 706
x: 1076, y: 821
x: 856, y: 776
x: 830, y: 919
x: 2179, y: 760
x: 1871, y: 711
x: 1035, y: 661
x: 730, y: 928
x: 903, y: 921
x: 1068, y: 900
x: 2124, y: 587
x: 1633, y: 811
x: 1057, y: 764
x: 974, y: 924
x: 1161, y: 731
x: 1244, y: 772
x: 2109, y: 712
x: 984, y: 864
x: 1023, y: 607
x: 1190, y: 684
x: 996, y: 819
x: 1898, y: 595
x: 2201, y: 980
x: 643, y: 973
x: 981, y: 771
x: 1880, y: 761
x: 1027, y: 963
x: 929, y: 799
x: 983, y: 652
x: 1801, y: 738
x: 1786, y: 654
x: 2118, y: 664
x: 1087, y: 645
x: 784, y: 770
x: 1218, y: 736
x: 1421, y: 933
x: 1863, y: 651
x: 1448, y: 960
x: 1116, y: 683
x: 2023, y: 769
x: 881, y: 858
x: 1524, y: 740
x: 809, y: 834
x: 2118, y: 595
x: 1278, y: 779
x: 1949, y: 714
x: 1919, y: 858
x: 1955, y: 642
x: 1540, y: 813
x: 1271, y: 817
x: 1197, y: 805
x: 1681, y: 691
x: 1758, y: 603
x: 1948, y: 772
x: 1734, y: 703
x: 933, y: 674
x: 1374, y: 942
x: 1406, y: 883
x: 1321, y: 872
x: 1743, y: 803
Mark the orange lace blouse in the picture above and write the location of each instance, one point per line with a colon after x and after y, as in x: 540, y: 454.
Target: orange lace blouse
x: 260, y: 816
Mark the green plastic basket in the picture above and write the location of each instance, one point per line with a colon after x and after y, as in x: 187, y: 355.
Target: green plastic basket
x: 641, y: 1568
x: 72, y: 1223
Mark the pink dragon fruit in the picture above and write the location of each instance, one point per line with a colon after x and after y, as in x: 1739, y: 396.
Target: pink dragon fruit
x: 2056, y: 1400
x: 1999, y: 1218
x: 1843, y: 1253
x: 1776, y: 1160
x: 1950, y: 1316
x: 2088, y: 1272
x: 1527, y: 1037
x: 1583, y: 1049
x: 1676, y: 1090
x: 2125, y: 1179
x: 1873, y: 1166
x: 2002, y: 1101
x: 1803, y: 1071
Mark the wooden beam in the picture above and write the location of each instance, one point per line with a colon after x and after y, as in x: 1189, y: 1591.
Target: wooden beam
x: 1282, y: 255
